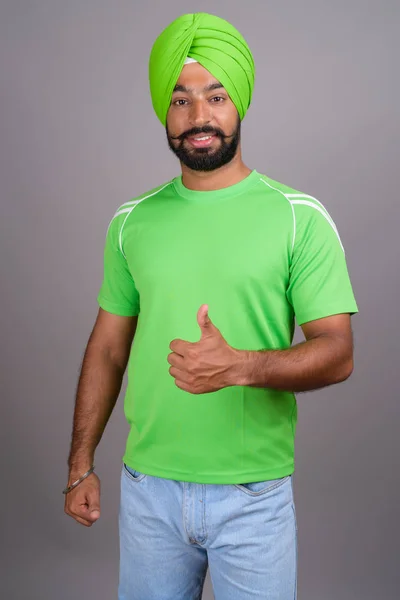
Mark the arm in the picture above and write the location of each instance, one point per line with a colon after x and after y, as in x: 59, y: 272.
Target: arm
x: 100, y: 381
x: 99, y: 384
x: 325, y: 358
x: 318, y: 285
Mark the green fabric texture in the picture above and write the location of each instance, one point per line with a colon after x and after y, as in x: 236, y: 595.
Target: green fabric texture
x: 216, y: 45
x: 260, y: 254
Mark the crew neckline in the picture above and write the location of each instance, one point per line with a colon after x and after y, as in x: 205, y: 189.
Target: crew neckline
x: 213, y: 195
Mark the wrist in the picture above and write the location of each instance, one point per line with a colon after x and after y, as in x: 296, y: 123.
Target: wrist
x: 251, y: 368
x: 73, y: 484
x: 79, y: 467
x: 241, y: 367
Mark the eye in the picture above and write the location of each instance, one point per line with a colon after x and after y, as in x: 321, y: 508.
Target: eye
x: 179, y: 102
x: 217, y: 98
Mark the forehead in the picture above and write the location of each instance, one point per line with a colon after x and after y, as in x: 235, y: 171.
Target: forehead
x: 194, y: 75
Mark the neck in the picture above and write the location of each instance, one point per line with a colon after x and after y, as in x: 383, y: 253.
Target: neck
x: 204, y: 181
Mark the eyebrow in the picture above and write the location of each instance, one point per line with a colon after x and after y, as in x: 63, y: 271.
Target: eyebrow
x: 213, y: 86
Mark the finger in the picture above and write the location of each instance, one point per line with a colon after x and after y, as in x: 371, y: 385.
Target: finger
x: 83, y: 504
x: 77, y: 517
x: 94, y: 505
x: 202, y: 316
x: 83, y: 521
x: 176, y: 360
x: 207, y: 327
x: 180, y: 346
x: 179, y: 374
x: 83, y: 513
x: 184, y: 386
x: 88, y: 513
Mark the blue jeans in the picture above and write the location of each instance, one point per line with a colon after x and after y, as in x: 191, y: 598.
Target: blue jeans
x: 171, y: 531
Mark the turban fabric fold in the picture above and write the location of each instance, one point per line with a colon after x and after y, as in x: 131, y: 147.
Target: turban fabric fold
x: 216, y: 45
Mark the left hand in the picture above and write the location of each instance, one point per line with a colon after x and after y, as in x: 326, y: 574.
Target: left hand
x: 204, y: 366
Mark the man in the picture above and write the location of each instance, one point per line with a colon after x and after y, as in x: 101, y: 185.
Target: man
x: 206, y: 274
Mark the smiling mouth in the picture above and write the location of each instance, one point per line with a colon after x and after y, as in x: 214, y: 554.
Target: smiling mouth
x: 201, y: 141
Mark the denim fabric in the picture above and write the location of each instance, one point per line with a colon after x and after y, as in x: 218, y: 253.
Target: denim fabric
x: 171, y: 531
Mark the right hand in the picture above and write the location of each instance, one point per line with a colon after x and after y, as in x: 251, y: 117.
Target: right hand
x: 83, y: 503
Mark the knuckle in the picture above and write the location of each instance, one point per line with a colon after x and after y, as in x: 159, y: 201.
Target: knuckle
x: 192, y: 354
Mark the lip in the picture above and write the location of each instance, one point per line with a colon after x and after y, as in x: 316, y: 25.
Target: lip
x: 201, y: 143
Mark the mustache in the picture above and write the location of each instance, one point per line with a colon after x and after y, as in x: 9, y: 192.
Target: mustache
x: 207, y: 130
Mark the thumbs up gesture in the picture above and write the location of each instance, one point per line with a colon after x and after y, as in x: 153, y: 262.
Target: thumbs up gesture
x: 204, y: 366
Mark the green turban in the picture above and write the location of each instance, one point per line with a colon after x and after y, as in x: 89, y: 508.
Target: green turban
x: 216, y: 45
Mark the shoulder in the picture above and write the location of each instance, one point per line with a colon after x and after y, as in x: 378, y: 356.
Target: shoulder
x: 310, y: 215
x: 306, y: 207
x: 124, y: 210
x: 290, y: 194
x: 127, y: 207
x: 277, y: 189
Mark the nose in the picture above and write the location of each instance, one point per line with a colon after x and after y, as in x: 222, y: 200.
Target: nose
x: 200, y: 113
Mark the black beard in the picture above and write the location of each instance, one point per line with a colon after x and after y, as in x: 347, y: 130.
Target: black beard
x: 206, y: 159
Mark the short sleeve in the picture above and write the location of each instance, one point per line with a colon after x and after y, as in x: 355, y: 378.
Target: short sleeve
x: 118, y: 293
x: 319, y: 284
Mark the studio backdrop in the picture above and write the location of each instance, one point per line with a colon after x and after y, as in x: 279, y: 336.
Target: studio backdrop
x: 78, y: 138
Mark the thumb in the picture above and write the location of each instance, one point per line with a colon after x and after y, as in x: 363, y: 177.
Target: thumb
x: 94, y: 507
x: 204, y: 320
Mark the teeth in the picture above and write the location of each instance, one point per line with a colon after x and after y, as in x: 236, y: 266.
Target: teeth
x: 207, y: 137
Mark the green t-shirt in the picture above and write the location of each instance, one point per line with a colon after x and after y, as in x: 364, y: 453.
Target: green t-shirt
x: 260, y: 254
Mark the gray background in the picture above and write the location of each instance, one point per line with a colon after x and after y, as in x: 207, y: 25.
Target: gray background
x: 79, y: 138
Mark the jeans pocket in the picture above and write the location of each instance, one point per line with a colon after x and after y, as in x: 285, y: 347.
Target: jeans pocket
x: 133, y: 474
x: 257, y: 488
